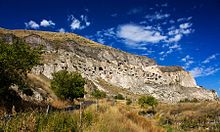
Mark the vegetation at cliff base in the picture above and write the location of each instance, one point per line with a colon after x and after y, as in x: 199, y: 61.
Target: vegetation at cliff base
x: 98, y: 94
x: 16, y: 60
x: 68, y: 85
x: 145, y: 101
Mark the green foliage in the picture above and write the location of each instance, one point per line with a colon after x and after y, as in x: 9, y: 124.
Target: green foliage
x: 186, y: 100
x: 119, y: 97
x: 39, y: 122
x: 88, y: 118
x: 16, y: 60
x: 187, y: 123
x: 128, y: 101
x: 147, y: 100
x: 68, y: 85
x: 98, y: 94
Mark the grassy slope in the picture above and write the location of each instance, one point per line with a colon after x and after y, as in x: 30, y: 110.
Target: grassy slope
x: 200, y: 116
x: 117, y: 118
x: 42, y: 82
x: 53, y: 36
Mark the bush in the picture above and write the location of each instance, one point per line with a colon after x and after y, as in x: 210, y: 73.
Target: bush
x: 119, y: 97
x: 68, y: 85
x: 128, y: 101
x: 147, y: 100
x: 194, y: 100
x: 98, y: 94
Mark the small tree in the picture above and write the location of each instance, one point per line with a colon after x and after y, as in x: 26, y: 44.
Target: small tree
x: 16, y: 60
x: 147, y: 100
x: 98, y: 95
x: 68, y: 85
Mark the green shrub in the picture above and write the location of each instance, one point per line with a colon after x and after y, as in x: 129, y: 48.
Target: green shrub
x: 68, y: 85
x: 147, y: 101
x: 128, y: 101
x: 186, y: 100
x: 98, y: 94
x: 119, y: 97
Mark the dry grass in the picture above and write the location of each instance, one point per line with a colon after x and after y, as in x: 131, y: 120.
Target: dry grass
x: 42, y: 82
x: 115, y: 90
x: 121, y: 118
x: 59, y: 104
x: 190, y: 116
x: 53, y: 36
x: 118, y: 118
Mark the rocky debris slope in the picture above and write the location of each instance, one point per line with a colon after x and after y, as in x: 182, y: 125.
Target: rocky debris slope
x: 135, y: 74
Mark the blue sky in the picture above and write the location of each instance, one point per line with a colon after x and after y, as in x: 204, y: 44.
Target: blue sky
x: 183, y: 32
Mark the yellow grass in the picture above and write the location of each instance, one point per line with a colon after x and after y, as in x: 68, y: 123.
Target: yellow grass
x: 59, y: 104
x: 42, y: 82
x: 121, y: 118
x: 53, y: 36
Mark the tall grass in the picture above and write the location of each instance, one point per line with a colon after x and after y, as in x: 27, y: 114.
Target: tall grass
x: 55, y: 121
x: 118, y: 118
x: 190, y: 116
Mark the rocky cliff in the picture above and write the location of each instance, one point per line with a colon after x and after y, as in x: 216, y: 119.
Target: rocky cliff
x: 108, y: 67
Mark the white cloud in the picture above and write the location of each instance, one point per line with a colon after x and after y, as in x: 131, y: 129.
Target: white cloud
x: 103, y: 35
x: 78, y: 23
x: 176, y: 34
x: 188, y: 60
x: 157, y: 29
x: 157, y: 16
x: 32, y: 24
x: 85, y: 20
x: 138, y: 34
x: 185, y: 25
x: 176, y: 38
x: 175, y: 46
x: 101, y: 40
x: 62, y: 30
x: 201, y: 71
x: 212, y: 57
x: 184, y: 19
x: 47, y: 23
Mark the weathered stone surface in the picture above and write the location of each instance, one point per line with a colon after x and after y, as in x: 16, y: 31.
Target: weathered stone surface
x: 137, y: 74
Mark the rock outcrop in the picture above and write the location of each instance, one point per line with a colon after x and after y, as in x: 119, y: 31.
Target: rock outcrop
x: 135, y: 74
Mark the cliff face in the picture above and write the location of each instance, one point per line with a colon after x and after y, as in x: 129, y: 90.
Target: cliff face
x: 134, y: 74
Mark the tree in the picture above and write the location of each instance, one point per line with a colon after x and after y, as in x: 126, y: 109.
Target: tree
x: 68, y: 85
x: 16, y: 60
x: 147, y: 100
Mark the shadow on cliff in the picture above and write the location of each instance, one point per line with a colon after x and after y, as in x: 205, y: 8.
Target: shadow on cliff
x: 12, y: 102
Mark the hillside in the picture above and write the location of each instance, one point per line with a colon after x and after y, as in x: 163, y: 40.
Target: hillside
x: 108, y: 69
